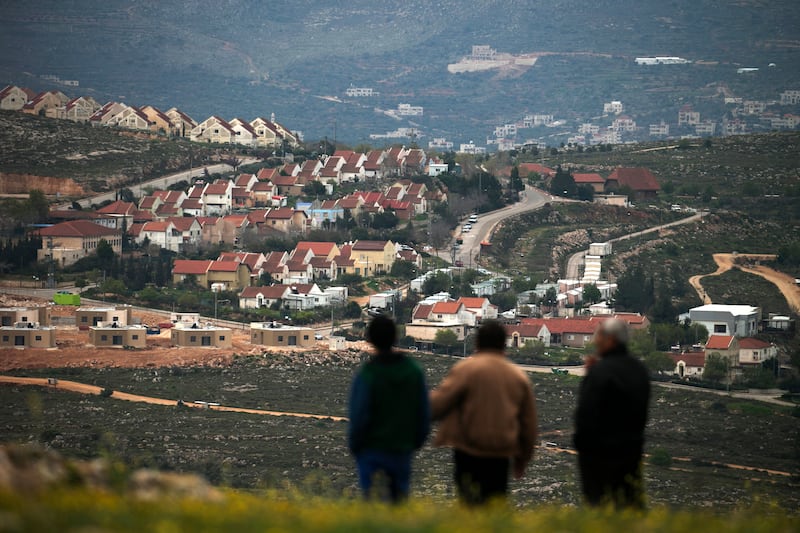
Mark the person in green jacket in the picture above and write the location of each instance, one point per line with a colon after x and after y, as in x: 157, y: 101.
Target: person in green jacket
x: 389, y: 414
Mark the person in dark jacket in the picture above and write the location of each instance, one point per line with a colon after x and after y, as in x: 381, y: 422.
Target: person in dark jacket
x: 610, y: 421
x: 389, y: 415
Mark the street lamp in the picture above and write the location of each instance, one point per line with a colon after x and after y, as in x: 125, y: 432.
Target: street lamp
x: 225, y: 301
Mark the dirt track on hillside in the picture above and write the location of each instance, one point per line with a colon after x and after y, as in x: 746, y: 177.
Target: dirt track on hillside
x: 725, y: 262
x: 82, y: 388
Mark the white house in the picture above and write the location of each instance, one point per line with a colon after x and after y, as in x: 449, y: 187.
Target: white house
x: 689, y: 364
x: 719, y: 319
x: 244, y: 133
x: 482, y: 308
x: 218, y: 198
x: 258, y: 297
x: 163, y: 234
x: 213, y: 130
x: 755, y: 351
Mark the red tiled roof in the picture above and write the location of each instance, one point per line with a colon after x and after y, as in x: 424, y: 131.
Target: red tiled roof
x: 267, y: 173
x: 240, y: 192
x: 243, y: 180
x: 472, y: 303
x: 350, y: 202
x: 691, y: 359
x: 236, y: 220
x: 191, y: 203
x: 282, y: 213
x: 182, y: 223
x: 196, y: 191
x: 191, y: 267
x: 525, y: 330
x: 320, y: 262
x: 319, y: 248
x: 223, y: 266
x: 530, y: 168
x: 422, y: 311
x: 148, y: 202
x: 588, y: 178
x: 136, y: 229
x: 262, y: 186
x: 370, y: 246
x: 637, y: 178
x: 117, y: 208
x: 560, y: 326
x: 219, y: 188
x: 749, y: 343
x: 6, y: 90
x: 208, y: 221
x: 167, y: 210
x: 446, y: 308
x: 631, y: 318
x: 297, y: 266
x: 77, y: 228
x: 160, y: 227
x: 257, y: 216
x: 719, y: 342
x: 284, y: 181
x: 272, y: 292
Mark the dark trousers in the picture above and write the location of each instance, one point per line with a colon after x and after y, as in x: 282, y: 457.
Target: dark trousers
x: 480, y: 479
x: 612, y: 477
x: 391, y: 472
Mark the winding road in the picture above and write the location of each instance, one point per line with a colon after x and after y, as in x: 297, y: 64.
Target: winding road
x: 469, y: 251
x: 158, y: 183
x: 576, y: 259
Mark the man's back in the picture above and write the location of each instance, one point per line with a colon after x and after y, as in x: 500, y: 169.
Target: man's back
x: 389, y: 409
x: 487, y: 409
x: 612, y: 408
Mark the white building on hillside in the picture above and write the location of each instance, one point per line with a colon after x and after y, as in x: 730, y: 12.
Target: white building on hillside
x: 718, y: 319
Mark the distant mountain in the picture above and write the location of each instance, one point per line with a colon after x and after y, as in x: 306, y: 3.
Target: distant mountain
x: 249, y: 57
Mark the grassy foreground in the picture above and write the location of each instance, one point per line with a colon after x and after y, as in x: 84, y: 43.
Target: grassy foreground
x: 104, y: 511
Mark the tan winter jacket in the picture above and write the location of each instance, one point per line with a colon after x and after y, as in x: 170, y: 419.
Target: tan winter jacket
x: 487, y: 409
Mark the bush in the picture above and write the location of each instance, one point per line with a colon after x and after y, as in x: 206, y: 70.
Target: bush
x: 106, y: 393
x: 661, y: 457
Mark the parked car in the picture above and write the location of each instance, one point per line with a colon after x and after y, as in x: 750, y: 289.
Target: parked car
x: 473, y: 219
x: 459, y: 263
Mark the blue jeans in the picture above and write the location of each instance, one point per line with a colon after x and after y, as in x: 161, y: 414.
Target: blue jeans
x: 389, y: 470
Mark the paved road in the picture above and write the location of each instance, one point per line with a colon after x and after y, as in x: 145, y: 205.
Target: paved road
x: 159, y: 183
x: 482, y: 229
x: 576, y: 260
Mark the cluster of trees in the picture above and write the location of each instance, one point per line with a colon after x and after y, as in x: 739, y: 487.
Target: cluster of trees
x: 563, y: 184
x: 16, y: 214
x: 637, y: 292
x: 131, y: 273
x: 18, y: 255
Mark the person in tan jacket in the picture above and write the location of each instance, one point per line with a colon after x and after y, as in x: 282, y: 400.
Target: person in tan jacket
x: 488, y: 416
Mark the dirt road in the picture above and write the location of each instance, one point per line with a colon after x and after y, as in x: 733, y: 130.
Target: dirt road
x: 725, y: 262
x: 82, y: 388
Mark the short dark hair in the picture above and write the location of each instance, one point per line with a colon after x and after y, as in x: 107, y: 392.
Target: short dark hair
x: 382, y: 333
x: 491, y: 336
